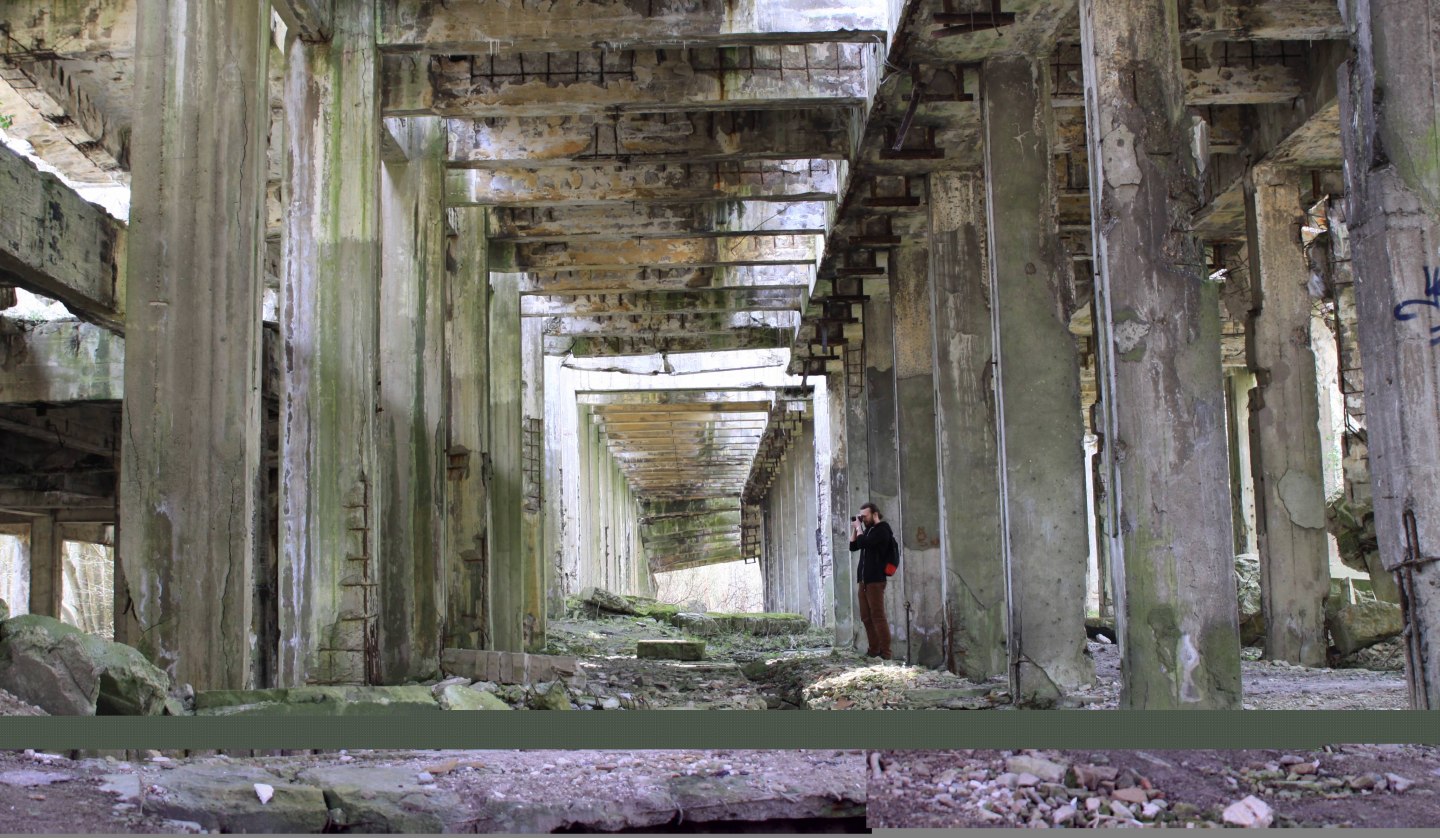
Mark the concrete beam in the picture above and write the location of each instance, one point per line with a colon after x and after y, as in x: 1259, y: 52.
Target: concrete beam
x: 785, y: 181
x: 60, y: 362
x: 648, y: 220
x: 702, y: 252
x: 310, y: 20
x: 665, y: 279
x: 711, y: 300
x: 743, y: 338
x: 475, y: 26
x: 702, y: 137
x: 68, y: 100
x: 1262, y: 20
x: 1168, y: 538
x: 700, y: 400
x: 55, y: 243
x: 666, y: 324
x: 571, y: 84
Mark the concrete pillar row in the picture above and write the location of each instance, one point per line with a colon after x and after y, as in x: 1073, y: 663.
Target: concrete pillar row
x: 1037, y: 383
x: 1393, y: 186
x: 1157, y: 320
x: 1284, y: 424
x: 190, y: 479
x: 968, y: 468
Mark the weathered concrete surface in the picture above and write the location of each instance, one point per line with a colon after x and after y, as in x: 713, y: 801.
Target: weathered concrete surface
x: 410, y: 423
x: 969, y: 488
x: 1271, y: 20
x: 701, y: 137
x: 71, y: 27
x: 507, y: 444
x: 699, y: 301
x: 756, y: 180
x: 472, y: 26
x: 47, y: 565
x: 1285, y: 450
x: 59, y: 362
x: 761, y: 337
x: 55, y: 243
x: 532, y: 483
x: 883, y: 439
x: 310, y: 20
x: 857, y: 477
x: 843, y: 594
x: 632, y: 221
x: 706, y: 251
x: 1040, y: 427
x: 1169, y: 534
x: 190, y: 477
x: 1393, y: 184
x: 329, y: 497
x: 650, y: 80
x: 922, y: 570
x: 467, y: 348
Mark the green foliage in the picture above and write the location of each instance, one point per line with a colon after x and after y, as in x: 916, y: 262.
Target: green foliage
x: 6, y: 120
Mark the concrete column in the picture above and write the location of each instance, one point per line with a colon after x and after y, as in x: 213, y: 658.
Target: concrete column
x: 556, y: 526
x: 842, y: 566
x: 507, y: 442
x: 922, y: 570
x: 883, y: 442
x: 410, y: 423
x: 1158, y: 330
x: 1284, y: 424
x: 1041, y: 429
x: 329, y: 322
x: 467, y: 558
x: 190, y: 478
x: 1394, y: 220
x: 969, y: 482
x: 532, y: 536
x: 1239, y: 383
x: 47, y: 566
x: 857, y: 474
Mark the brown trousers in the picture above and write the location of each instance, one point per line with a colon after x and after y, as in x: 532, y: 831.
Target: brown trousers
x: 872, y: 615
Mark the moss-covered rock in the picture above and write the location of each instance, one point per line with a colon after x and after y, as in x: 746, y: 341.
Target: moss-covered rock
x: 317, y: 701
x: 1361, y: 624
x: 460, y: 697
x: 761, y: 624
x: 66, y: 671
x: 222, y: 798
x: 4, y: 611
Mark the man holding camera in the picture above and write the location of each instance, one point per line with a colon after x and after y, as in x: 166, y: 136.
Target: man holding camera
x: 879, y: 557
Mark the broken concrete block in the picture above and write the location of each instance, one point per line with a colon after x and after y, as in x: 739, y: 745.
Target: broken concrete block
x: 384, y: 799
x: 65, y: 671
x: 317, y: 701
x: 702, y: 625
x: 1050, y: 772
x: 222, y: 798
x: 1361, y: 624
x: 679, y: 650
x: 1251, y: 812
x: 606, y: 601
x: 460, y: 697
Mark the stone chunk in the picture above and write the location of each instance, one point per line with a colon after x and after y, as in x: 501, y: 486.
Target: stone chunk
x: 317, y: 701
x: 1091, y: 776
x: 680, y: 650
x: 1050, y: 772
x: 65, y: 671
x: 1251, y: 812
x: 383, y: 799
x: 606, y: 601
x: 702, y: 625
x: 460, y: 697
x: 1358, y: 625
x: 222, y: 798
x: 1131, y: 795
x: 4, y: 611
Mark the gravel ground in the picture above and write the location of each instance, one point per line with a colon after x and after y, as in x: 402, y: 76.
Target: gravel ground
x: 1352, y: 785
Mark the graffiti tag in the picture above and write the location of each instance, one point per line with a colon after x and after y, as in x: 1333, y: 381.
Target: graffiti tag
x: 1431, y: 299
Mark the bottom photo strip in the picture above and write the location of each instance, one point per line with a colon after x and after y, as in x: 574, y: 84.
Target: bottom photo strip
x: 691, y: 791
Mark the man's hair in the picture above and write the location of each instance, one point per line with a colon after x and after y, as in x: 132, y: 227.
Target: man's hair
x: 873, y: 508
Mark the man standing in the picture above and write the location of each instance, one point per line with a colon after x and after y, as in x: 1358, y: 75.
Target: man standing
x: 871, y: 535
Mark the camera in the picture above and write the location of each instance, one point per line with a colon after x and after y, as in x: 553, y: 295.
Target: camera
x: 856, y: 518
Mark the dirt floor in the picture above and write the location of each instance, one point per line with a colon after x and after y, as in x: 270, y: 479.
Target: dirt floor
x: 439, y: 791
x: 790, y: 672
x: 1351, y: 785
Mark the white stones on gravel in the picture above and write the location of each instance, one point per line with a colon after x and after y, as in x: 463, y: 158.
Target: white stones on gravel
x: 1250, y: 812
x: 265, y: 792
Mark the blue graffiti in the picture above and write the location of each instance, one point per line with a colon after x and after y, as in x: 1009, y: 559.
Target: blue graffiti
x: 1431, y: 299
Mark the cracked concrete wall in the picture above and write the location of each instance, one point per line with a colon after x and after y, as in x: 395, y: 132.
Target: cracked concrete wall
x: 883, y: 461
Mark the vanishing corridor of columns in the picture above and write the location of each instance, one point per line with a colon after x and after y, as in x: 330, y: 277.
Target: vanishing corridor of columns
x: 428, y: 316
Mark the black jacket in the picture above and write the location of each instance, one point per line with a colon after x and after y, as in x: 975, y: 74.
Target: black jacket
x: 876, y: 546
